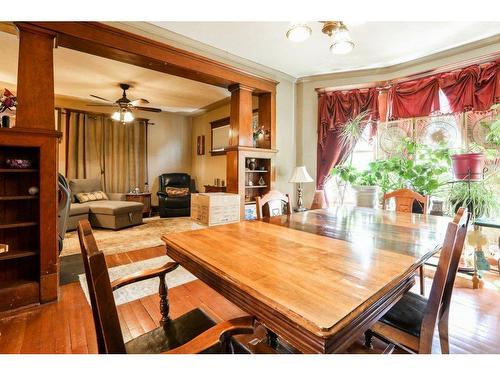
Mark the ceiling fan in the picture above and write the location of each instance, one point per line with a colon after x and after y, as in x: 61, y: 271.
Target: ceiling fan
x: 124, y: 105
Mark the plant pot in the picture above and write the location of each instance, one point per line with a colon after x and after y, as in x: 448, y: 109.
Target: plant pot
x: 464, y: 163
x: 366, y: 196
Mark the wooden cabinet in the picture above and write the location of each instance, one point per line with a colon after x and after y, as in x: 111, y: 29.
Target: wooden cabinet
x: 144, y: 198
x: 28, y: 219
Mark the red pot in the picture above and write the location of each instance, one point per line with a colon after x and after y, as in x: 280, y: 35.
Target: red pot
x: 465, y: 163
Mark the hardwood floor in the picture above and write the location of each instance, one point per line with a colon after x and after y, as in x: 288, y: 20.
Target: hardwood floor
x: 66, y: 326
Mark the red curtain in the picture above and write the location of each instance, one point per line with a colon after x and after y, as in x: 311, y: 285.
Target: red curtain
x: 488, y: 87
x: 459, y: 87
x: 335, y: 109
x: 414, y: 98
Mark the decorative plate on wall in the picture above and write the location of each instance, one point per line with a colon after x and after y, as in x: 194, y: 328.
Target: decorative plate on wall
x: 436, y: 130
x: 391, y: 134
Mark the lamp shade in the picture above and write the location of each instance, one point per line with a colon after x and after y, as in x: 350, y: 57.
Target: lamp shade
x: 300, y: 175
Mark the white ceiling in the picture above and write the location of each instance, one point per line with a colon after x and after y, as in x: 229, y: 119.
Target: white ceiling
x: 78, y: 74
x: 378, y: 44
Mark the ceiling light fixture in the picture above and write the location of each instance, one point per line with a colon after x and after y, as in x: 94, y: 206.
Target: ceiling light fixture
x: 336, y: 30
x: 298, y: 32
x: 124, y: 115
x: 341, y: 39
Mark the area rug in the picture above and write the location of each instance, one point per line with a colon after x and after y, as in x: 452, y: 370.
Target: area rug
x: 142, y: 288
x: 134, y: 238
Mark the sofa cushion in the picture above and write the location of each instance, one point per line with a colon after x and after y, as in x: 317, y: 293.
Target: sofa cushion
x: 91, y: 196
x: 83, y: 185
x: 114, y: 207
x: 78, y: 209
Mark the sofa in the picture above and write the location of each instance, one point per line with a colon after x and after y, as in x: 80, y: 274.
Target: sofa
x: 175, y: 206
x: 114, y: 213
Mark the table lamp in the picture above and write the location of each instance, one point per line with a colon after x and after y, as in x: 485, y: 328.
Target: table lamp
x: 299, y: 176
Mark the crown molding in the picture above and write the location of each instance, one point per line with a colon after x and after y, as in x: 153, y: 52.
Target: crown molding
x: 493, y: 42
x: 162, y: 35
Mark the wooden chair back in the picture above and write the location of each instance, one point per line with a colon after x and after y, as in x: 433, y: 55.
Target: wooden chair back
x: 452, y: 245
x: 274, y: 203
x: 107, y: 324
x: 404, y: 200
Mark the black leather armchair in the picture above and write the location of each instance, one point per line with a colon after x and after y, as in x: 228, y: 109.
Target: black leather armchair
x: 175, y: 206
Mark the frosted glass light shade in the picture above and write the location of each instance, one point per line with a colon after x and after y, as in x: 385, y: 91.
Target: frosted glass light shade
x: 300, y: 175
x: 123, y: 116
x: 341, y: 41
x: 298, y: 32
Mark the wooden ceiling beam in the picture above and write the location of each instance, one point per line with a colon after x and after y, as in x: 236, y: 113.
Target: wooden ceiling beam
x: 113, y: 43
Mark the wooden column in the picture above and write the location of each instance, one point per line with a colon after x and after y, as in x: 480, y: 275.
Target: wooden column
x: 241, y: 133
x: 35, y: 78
x: 241, y: 116
x: 267, y: 118
x: 35, y: 113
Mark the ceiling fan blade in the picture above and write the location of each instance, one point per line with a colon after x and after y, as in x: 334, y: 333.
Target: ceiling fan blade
x: 98, y: 97
x: 140, y: 101
x: 101, y: 105
x: 148, y: 109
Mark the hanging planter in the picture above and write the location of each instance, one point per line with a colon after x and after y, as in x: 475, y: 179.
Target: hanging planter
x: 467, y: 166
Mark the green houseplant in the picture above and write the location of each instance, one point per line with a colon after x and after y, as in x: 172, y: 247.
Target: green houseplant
x: 415, y: 166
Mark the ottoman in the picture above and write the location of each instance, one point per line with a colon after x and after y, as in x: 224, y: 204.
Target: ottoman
x: 115, y: 214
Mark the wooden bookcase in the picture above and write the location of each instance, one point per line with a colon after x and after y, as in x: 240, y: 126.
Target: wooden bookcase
x: 28, y: 222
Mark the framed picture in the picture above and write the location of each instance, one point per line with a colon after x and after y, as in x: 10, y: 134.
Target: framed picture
x: 200, y: 145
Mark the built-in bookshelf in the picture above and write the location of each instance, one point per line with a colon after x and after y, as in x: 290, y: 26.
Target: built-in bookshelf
x: 19, y: 227
x: 257, y: 181
x: 28, y: 216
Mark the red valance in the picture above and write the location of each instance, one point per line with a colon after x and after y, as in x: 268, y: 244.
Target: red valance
x: 414, y: 98
x: 487, y: 87
x: 476, y: 87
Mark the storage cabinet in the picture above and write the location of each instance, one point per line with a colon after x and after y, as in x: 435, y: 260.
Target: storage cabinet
x: 28, y: 219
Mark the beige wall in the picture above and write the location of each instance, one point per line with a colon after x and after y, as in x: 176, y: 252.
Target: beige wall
x: 307, y: 101
x: 204, y: 168
x: 169, y: 141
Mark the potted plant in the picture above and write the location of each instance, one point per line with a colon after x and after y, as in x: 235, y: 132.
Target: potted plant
x: 364, y: 184
x: 481, y: 197
x: 470, y: 164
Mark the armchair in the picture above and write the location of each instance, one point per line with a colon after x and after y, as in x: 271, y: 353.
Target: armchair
x: 175, y: 206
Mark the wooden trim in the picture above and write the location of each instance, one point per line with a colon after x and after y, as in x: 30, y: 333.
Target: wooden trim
x: 102, y: 40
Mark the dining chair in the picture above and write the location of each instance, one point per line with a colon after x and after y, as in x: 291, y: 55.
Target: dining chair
x: 274, y: 203
x: 193, y: 332
x: 404, y: 203
x: 410, y: 323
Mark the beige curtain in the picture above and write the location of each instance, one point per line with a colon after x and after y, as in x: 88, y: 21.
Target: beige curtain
x: 124, y: 156
x: 98, y: 147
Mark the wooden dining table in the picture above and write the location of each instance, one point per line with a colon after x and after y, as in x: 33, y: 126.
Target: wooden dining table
x: 316, y: 279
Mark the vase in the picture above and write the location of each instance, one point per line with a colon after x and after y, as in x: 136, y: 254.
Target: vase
x: 252, y: 164
x: 5, y: 121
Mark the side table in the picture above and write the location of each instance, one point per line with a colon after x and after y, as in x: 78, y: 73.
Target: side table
x: 144, y: 198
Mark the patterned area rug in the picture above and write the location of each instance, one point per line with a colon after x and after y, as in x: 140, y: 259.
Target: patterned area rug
x: 142, y: 288
x: 138, y: 237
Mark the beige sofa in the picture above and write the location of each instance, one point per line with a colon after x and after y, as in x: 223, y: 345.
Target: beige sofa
x: 115, y: 213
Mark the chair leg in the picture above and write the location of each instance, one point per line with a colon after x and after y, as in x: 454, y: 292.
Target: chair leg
x: 443, y: 333
x: 422, y: 280
x: 164, y: 304
x: 368, y: 339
